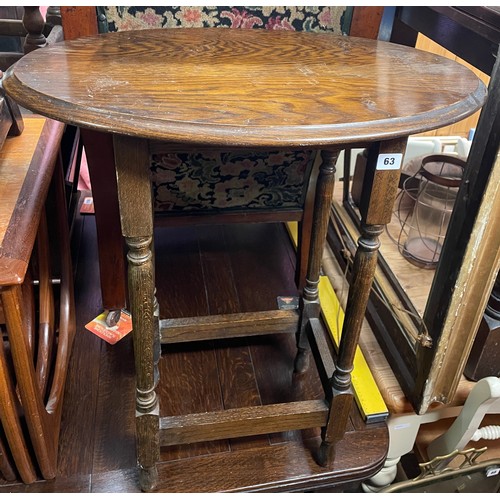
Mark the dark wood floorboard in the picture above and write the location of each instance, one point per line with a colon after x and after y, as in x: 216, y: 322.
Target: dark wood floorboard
x: 195, y: 387
x: 234, y: 363
x: 200, y: 271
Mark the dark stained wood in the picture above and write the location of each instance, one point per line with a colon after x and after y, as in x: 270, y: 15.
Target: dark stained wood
x: 310, y: 297
x: 5, y: 119
x: 471, y: 33
x: 239, y: 422
x: 238, y: 384
x: 78, y: 435
x: 270, y: 99
x: 76, y: 484
x: 377, y: 314
x: 31, y: 28
x: 96, y: 454
x: 199, y: 366
x: 280, y: 460
x: 322, y: 202
x: 388, y: 92
x: 131, y: 160
x: 203, y: 218
x: 34, y: 23
x: 113, y: 445
x: 274, y: 376
x: 53, y: 15
x: 484, y: 358
x: 12, y: 27
x: 380, y: 189
x: 227, y: 326
x: 134, y: 189
x: 279, y: 468
x: 323, y: 356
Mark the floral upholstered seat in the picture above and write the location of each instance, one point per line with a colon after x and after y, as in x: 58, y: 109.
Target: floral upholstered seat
x: 212, y: 180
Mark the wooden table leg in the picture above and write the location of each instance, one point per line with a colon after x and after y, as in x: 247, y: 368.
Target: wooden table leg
x: 379, y: 193
x: 99, y: 152
x: 136, y: 213
x: 310, y: 307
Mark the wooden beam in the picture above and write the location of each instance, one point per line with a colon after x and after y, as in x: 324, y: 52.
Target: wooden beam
x: 228, y: 326
x: 238, y: 422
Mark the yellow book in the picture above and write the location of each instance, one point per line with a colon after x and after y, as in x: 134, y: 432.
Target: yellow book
x: 366, y: 393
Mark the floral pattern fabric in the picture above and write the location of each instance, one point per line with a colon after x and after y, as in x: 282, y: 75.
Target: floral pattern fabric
x: 215, y: 180
x: 307, y: 18
x: 184, y: 181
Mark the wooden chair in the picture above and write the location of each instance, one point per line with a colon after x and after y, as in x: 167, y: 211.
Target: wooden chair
x: 30, y: 32
x: 36, y: 299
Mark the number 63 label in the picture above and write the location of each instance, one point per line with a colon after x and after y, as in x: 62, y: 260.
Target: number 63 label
x: 389, y: 161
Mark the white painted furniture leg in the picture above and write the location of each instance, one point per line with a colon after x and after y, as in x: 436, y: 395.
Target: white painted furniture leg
x: 484, y: 398
x: 402, y: 434
x: 403, y: 431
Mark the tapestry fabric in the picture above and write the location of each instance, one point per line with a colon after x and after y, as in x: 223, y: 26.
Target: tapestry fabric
x: 307, y: 18
x: 219, y: 180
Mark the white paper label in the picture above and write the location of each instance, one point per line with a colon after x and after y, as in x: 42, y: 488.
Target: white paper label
x: 389, y: 161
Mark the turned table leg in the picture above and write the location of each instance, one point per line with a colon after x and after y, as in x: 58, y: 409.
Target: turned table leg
x: 136, y: 213
x: 310, y: 307
x: 379, y: 193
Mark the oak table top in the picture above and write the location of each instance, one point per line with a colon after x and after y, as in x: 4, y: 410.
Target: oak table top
x: 245, y: 87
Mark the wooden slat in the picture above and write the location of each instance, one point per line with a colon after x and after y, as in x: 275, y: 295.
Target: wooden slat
x: 322, y: 354
x: 207, y: 217
x: 242, y: 422
x: 228, y: 326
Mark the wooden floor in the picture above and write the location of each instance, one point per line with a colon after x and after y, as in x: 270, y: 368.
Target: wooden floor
x: 196, y: 274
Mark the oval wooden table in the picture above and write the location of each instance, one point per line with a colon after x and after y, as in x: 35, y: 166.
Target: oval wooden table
x: 248, y: 89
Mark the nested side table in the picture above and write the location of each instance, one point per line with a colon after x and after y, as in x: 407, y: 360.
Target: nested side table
x: 37, y: 316
x: 254, y: 90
